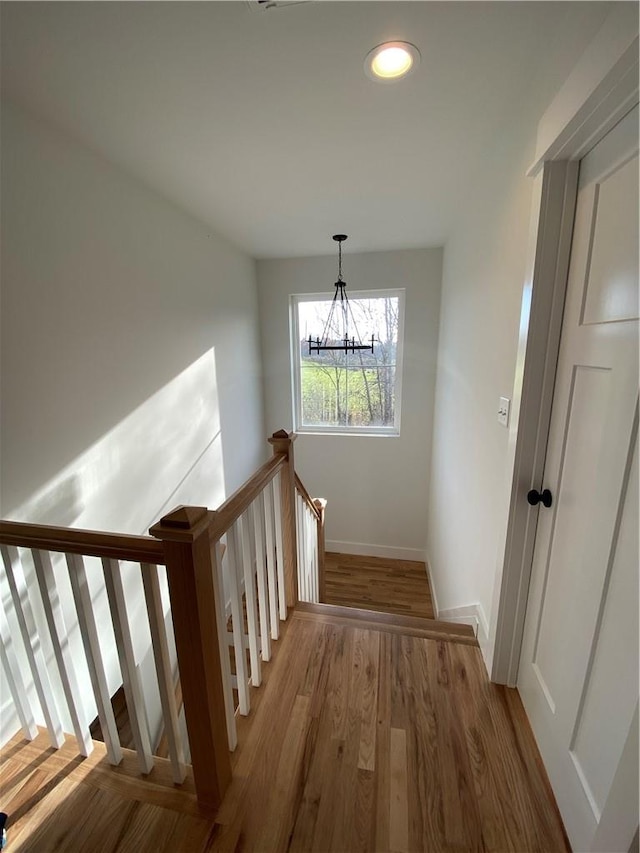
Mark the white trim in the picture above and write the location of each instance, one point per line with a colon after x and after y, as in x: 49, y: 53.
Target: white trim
x: 391, y: 552
x: 434, y: 594
x: 598, y: 92
x: 601, y: 88
x: 540, y: 322
x: 465, y: 615
x: 484, y: 637
x: 468, y: 614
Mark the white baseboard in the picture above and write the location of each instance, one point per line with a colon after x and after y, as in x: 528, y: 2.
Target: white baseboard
x: 483, y: 626
x: 465, y: 615
x: 434, y: 595
x: 391, y: 552
x: 468, y: 614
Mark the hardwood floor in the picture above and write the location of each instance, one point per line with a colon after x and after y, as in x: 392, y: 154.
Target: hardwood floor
x: 390, y: 743
x: 58, y: 801
x: 376, y: 583
x: 358, y: 740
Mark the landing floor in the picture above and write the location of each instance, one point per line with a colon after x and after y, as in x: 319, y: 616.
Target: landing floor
x: 388, y: 743
x: 358, y: 740
x: 377, y: 583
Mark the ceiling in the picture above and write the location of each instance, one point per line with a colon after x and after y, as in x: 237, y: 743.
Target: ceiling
x: 263, y: 124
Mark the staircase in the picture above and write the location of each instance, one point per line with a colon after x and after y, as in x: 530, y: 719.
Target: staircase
x: 280, y: 694
x: 328, y: 664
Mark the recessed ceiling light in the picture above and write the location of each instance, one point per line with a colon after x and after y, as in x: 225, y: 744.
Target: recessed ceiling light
x: 391, y: 60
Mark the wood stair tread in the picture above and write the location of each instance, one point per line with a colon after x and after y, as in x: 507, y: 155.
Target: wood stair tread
x: 415, y: 626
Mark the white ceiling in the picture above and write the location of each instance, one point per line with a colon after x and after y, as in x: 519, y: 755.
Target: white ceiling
x: 263, y: 123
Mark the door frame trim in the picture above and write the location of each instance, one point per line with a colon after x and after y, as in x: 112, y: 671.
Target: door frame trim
x: 587, y: 107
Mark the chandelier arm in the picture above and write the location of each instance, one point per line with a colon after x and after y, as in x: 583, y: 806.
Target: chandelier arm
x: 327, y: 325
x: 355, y: 325
x: 344, y: 304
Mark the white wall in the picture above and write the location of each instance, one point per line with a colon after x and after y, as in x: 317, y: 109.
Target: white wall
x: 130, y: 350
x: 483, y: 274
x: 376, y: 487
x: 487, y: 261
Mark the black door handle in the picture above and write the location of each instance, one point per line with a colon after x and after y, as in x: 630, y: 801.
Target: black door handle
x: 544, y: 497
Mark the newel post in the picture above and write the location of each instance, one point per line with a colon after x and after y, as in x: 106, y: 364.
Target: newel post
x: 185, y: 535
x: 282, y: 442
x: 320, y: 504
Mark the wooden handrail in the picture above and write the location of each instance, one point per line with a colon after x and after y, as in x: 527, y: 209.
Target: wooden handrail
x: 242, y: 499
x: 307, y: 498
x: 90, y: 543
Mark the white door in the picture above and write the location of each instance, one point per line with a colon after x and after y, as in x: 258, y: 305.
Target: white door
x: 578, y: 674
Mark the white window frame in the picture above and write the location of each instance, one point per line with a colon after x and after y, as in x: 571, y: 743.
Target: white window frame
x: 296, y: 389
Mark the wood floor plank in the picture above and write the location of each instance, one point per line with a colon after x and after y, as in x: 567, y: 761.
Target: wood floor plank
x: 426, y: 809
x: 346, y: 778
x: 383, y: 745
x: 286, y: 789
x: 399, y: 803
x: 362, y: 822
x: 461, y: 817
x: 369, y: 707
x: 338, y: 685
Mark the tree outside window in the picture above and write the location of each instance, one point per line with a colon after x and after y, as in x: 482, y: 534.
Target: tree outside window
x: 339, y: 391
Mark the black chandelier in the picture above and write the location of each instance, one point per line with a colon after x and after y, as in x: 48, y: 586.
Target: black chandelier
x: 340, y: 323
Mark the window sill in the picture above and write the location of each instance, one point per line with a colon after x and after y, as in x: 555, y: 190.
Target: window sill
x: 348, y: 432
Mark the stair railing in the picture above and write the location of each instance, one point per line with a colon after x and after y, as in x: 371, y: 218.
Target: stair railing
x: 310, y: 536
x: 50, y: 554
x: 259, y: 525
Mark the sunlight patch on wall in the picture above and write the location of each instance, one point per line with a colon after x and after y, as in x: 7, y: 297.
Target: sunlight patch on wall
x: 167, y: 451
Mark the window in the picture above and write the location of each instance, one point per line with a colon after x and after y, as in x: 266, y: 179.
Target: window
x: 352, y: 392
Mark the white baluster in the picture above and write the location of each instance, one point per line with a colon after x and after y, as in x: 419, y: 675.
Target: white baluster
x: 162, y: 660
x: 301, y: 588
x: 303, y: 549
x: 58, y: 633
x: 271, y: 562
x: 313, y: 533
x: 32, y: 644
x: 310, y: 547
x: 313, y: 538
x: 89, y: 634
x: 309, y: 558
x: 257, y: 511
x: 14, y: 680
x: 277, y: 512
x: 235, y: 561
x: 307, y: 534
x: 221, y: 619
x: 250, y: 595
x: 130, y: 677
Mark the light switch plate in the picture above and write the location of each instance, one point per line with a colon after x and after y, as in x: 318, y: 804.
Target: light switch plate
x: 503, y: 411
